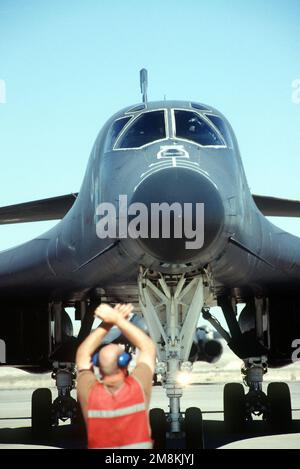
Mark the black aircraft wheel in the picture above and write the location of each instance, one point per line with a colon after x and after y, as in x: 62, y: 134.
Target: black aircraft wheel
x: 234, y: 407
x: 78, y: 418
x: 41, y: 420
x: 280, y: 410
x: 193, y: 427
x: 158, y: 423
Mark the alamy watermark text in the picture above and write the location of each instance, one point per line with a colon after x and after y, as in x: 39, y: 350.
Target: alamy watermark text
x: 162, y: 220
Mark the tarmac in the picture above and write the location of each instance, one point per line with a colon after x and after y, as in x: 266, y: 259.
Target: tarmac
x: 205, y: 391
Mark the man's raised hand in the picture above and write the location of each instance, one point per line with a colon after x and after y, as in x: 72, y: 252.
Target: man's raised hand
x: 112, y: 315
x: 124, y: 309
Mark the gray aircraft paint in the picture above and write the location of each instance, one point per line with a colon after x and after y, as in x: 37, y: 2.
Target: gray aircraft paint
x: 249, y: 252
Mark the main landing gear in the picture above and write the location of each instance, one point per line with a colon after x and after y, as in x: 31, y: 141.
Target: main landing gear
x: 238, y: 406
x: 275, y: 406
x: 44, y: 412
x: 171, y: 307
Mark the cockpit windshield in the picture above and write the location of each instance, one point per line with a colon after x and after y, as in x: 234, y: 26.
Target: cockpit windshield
x: 114, y: 131
x: 147, y: 128
x: 190, y: 126
x: 222, y: 128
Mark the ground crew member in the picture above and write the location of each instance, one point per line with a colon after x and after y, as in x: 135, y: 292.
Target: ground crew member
x: 116, y: 409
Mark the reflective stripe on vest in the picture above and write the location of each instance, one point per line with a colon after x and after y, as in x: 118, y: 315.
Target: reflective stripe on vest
x: 144, y: 445
x: 107, y: 414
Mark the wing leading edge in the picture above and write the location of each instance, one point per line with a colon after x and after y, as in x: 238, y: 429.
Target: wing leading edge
x: 277, y: 207
x: 55, y: 208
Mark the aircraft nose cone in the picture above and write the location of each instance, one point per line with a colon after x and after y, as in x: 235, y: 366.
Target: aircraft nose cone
x: 201, y: 216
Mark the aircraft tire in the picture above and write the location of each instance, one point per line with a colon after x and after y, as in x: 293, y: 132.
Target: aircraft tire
x: 78, y: 418
x: 158, y: 423
x: 193, y: 427
x: 41, y: 420
x: 279, y: 398
x: 234, y: 407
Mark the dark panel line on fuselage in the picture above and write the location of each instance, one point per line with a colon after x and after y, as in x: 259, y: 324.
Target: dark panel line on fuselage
x: 108, y: 248
x: 249, y: 251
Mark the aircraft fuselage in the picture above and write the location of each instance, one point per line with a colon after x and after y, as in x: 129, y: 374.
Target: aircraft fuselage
x: 238, y: 245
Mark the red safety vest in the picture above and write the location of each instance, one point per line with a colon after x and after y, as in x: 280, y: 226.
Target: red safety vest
x: 118, y: 420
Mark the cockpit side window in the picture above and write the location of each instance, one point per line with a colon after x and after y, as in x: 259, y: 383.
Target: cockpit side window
x: 147, y: 128
x: 115, y: 130
x: 190, y: 126
x: 222, y: 128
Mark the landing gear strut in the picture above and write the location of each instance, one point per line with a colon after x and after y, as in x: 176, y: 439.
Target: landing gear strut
x: 64, y: 407
x: 171, y: 307
x: 256, y: 400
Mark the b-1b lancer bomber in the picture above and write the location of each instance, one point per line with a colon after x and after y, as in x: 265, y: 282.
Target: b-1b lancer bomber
x: 164, y: 219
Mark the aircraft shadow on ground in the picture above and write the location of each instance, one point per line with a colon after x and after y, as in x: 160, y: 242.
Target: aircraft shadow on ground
x: 215, y: 434
x: 73, y: 436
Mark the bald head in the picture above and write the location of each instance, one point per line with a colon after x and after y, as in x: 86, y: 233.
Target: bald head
x: 108, y: 359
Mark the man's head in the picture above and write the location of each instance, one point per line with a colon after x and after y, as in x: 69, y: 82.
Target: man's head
x: 108, y: 359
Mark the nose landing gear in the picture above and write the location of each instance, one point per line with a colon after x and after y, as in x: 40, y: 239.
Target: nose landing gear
x: 171, y: 308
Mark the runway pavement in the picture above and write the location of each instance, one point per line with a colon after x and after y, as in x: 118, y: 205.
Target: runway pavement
x: 16, y: 388
x: 15, y: 419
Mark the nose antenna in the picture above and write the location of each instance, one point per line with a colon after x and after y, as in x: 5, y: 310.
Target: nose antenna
x: 144, y: 84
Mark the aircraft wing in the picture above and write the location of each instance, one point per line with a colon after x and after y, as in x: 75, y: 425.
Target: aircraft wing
x: 53, y: 208
x: 277, y: 207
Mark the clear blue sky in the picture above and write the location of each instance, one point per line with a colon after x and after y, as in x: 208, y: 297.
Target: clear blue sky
x: 68, y: 65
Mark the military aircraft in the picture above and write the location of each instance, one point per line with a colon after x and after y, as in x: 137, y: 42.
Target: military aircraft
x: 164, y: 219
